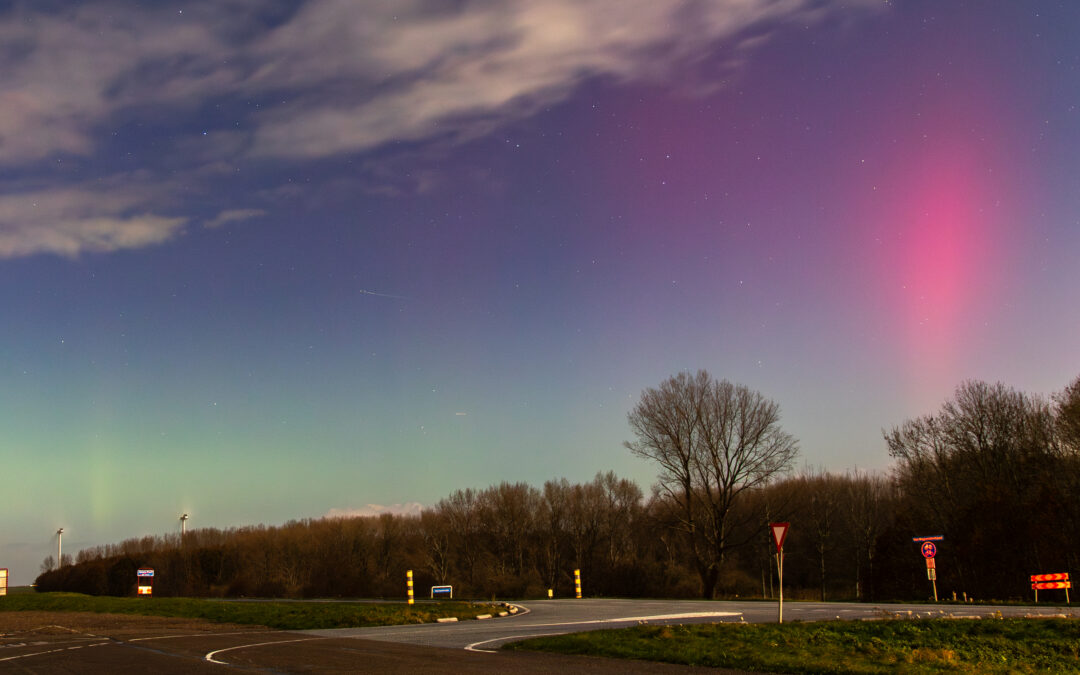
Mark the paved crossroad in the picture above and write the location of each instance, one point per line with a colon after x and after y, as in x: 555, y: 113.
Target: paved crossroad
x: 463, y: 647
x: 548, y: 617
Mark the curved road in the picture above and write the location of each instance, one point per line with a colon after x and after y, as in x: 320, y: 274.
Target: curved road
x: 549, y: 617
x: 463, y: 647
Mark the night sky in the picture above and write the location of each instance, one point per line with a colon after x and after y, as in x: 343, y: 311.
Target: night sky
x: 273, y: 260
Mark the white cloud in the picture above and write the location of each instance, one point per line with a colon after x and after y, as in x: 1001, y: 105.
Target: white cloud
x: 457, y: 73
x: 422, y: 74
x: 233, y: 215
x: 407, y: 509
x: 347, y: 76
x: 65, y: 74
x: 318, y: 79
x: 71, y: 220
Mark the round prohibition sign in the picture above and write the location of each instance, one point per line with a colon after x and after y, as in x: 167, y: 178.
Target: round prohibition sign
x: 928, y: 549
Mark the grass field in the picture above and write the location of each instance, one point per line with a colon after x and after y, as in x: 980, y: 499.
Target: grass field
x: 281, y: 615
x: 902, y: 646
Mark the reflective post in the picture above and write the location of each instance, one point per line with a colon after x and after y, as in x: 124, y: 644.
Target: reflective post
x: 780, y: 574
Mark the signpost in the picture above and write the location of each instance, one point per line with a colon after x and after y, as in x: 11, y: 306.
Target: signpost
x: 929, y: 550
x: 779, y: 534
x: 145, y: 581
x: 1051, y: 581
x: 442, y: 592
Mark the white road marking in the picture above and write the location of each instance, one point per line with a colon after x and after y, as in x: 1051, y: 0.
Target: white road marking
x: 51, y: 651
x: 507, y: 638
x: 656, y: 617
x: 210, y: 657
x: 686, y: 615
x: 173, y: 637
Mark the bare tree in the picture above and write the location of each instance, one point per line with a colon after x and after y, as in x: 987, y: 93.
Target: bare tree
x: 1067, y: 412
x: 435, y: 531
x: 870, y: 502
x: 585, y: 524
x: 622, y: 509
x: 551, y: 526
x: 510, y: 511
x: 712, y: 440
x: 463, y: 511
x: 980, y: 470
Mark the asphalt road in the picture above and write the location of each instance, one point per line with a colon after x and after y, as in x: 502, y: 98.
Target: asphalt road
x: 138, y: 645
x: 549, y: 617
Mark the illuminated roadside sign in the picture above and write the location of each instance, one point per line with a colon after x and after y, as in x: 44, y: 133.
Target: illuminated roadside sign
x: 1046, y: 582
x: 929, y: 550
x: 145, y: 586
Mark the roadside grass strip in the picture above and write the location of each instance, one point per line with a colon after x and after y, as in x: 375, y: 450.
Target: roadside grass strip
x: 890, y: 646
x: 297, y: 615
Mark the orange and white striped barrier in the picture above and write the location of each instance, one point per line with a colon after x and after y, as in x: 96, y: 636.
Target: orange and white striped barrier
x: 1059, y: 580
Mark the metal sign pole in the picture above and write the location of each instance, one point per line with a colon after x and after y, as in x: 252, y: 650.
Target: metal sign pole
x: 780, y: 574
x: 779, y: 533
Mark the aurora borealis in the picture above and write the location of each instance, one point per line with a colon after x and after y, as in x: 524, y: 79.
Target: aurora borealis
x: 265, y: 260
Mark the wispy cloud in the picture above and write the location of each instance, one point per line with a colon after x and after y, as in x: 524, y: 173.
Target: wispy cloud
x: 312, y: 80
x: 71, y: 220
x: 65, y: 74
x: 405, y: 72
x: 233, y: 215
x: 407, y: 509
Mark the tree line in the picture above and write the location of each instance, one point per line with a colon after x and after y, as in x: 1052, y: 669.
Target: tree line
x: 996, y: 471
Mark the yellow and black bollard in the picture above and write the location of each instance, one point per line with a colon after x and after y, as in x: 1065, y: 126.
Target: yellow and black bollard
x: 577, y: 583
x: 408, y: 582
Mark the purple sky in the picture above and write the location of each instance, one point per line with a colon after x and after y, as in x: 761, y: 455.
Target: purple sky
x: 268, y: 260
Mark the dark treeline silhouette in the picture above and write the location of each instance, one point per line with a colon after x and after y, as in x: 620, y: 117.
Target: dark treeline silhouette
x: 996, y: 471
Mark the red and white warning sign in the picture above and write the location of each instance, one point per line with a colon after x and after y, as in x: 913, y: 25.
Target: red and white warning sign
x: 1051, y: 581
x: 1060, y: 576
x: 1044, y: 585
x: 779, y: 534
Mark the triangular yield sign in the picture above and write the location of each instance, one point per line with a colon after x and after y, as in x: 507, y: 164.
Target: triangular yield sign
x: 779, y: 534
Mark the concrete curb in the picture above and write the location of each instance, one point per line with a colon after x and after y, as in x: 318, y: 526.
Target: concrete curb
x: 510, y: 609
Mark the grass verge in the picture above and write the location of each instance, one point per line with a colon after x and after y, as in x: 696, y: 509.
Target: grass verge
x: 903, y: 646
x: 281, y: 615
